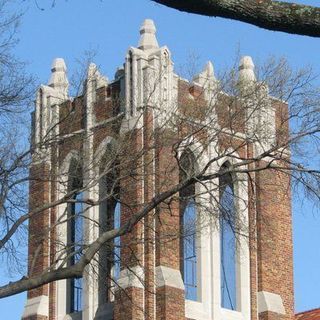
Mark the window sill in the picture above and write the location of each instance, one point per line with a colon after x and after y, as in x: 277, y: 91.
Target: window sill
x: 231, y: 314
x: 73, y: 316
x: 196, y: 310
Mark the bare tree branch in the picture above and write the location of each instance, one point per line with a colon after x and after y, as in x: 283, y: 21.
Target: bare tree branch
x: 283, y: 16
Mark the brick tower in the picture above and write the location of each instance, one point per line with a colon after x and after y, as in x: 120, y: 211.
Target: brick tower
x: 216, y: 249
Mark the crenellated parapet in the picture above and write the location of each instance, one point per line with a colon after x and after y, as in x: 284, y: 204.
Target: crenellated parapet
x: 147, y: 81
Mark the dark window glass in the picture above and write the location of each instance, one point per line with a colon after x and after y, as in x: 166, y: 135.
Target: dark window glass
x: 188, y: 220
x: 228, y: 244
x: 189, y: 251
x: 116, y: 242
x: 109, y: 254
x: 76, y: 221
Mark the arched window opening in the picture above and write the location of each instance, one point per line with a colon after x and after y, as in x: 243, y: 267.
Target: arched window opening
x: 228, y: 243
x: 109, y: 218
x: 188, y: 220
x: 75, y: 237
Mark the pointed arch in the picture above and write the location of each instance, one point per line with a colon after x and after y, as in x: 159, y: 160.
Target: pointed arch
x: 189, y: 262
x: 232, y: 249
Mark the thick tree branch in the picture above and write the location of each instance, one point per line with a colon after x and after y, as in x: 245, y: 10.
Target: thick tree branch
x: 272, y: 15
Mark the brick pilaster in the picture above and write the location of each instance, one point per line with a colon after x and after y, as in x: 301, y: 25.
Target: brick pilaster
x: 129, y: 300
x: 170, y: 301
x: 39, y: 228
x: 275, y: 257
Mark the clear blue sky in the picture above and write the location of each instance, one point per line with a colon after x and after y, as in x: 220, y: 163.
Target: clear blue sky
x: 74, y: 26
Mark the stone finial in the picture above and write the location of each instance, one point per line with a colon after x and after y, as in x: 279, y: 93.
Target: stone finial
x: 246, y: 70
x: 148, y: 38
x: 92, y: 71
x: 94, y: 74
x: 206, y: 76
x: 209, y: 69
x: 58, y: 79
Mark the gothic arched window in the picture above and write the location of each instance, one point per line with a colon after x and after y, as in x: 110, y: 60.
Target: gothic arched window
x: 75, y: 236
x: 228, y: 254
x: 188, y: 220
x: 109, y: 218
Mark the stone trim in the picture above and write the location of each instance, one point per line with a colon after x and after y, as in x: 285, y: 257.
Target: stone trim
x: 168, y: 277
x: 133, y: 277
x: 73, y: 316
x: 36, y: 306
x: 268, y: 301
x: 131, y: 123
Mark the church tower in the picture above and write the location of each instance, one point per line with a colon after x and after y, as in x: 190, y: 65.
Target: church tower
x: 182, y: 170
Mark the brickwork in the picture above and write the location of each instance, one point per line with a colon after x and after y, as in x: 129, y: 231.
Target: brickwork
x: 169, y: 302
x: 253, y: 234
x: 275, y: 236
x: 129, y: 304
x: 168, y: 216
x: 132, y: 198
x: 36, y: 317
x: 149, y: 220
x: 273, y: 316
x: 39, y: 225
